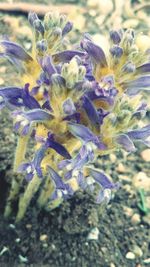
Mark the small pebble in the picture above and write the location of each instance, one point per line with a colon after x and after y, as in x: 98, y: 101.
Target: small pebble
x: 45, y: 245
x: 146, y: 219
x: 141, y: 180
x: 23, y: 259
x: 135, y: 219
x: 17, y: 240
x: 146, y: 261
x: 128, y: 188
x: 130, y: 23
x: 4, y: 249
x: 104, y: 249
x: 137, y: 251
x: 43, y: 237
x: 112, y: 265
x: 113, y: 158
x: 128, y: 211
x: 130, y: 255
x: 93, y: 235
x: 53, y: 246
x: 1, y: 81
x: 28, y: 226
x: 12, y: 226
x: 124, y: 178
x: 143, y: 42
x: 121, y: 168
x: 145, y: 154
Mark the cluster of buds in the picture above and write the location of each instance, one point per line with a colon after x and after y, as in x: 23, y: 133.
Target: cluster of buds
x: 77, y: 105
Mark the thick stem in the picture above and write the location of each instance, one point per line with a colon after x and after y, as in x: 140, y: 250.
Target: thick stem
x: 24, y: 201
x: 17, y: 179
x: 20, y: 151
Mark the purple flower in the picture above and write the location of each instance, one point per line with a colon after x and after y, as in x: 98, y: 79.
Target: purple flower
x: 91, y: 111
x: 67, y: 28
x: 11, y: 97
x: 75, y: 117
x: 135, y: 86
x: 141, y: 135
x: 97, y: 92
x: 32, y: 17
x: 104, y: 195
x: 33, y: 167
x: 116, y: 36
x: 145, y: 68
x: 102, y: 179
x: 116, y: 51
x: 66, y: 56
x: 62, y: 190
x: 24, y: 120
x: 94, y: 51
x: 85, y: 134
x: 42, y: 46
x: 60, y: 149
x: 74, y: 167
x: 38, y: 26
x: 48, y: 66
x: 125, y: 142
x: 69, y: 107
x: 129, y: 67
x: 14, y: 50
x: 28, y: 100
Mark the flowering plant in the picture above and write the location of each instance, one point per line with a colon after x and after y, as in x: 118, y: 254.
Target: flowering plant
x: 77, y: 105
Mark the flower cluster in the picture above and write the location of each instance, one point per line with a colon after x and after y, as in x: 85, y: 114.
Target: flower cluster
x: 77, y: 105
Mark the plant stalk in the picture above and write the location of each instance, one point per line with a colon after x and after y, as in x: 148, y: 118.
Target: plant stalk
x: 24, y: 201
x: 17, y: 179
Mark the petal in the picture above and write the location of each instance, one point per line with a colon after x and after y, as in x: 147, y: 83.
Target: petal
x: 85, y: 135
x: 95, y: 52
x: 11, y: 97
x: 28, y: 100
x: 125, y: 142
x: 11, y: 49
x: 104, y: 196
x: 37, y: 115
x: 74, y: 117
x: 39, y: 155
x: 80, y: 131
x: 135, y: 86
x: 57, y: 179
x: 91, y: 111
x: 67, y: 55
x: 102, y: 179
x: 145, y: 68
x: 60, y: 149
x: 142, y: 133
x: 48, y: 66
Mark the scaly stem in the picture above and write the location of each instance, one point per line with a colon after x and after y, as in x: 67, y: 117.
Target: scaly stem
x: 24, y: 201
x: 17, y: 179
x: 45, y: 192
